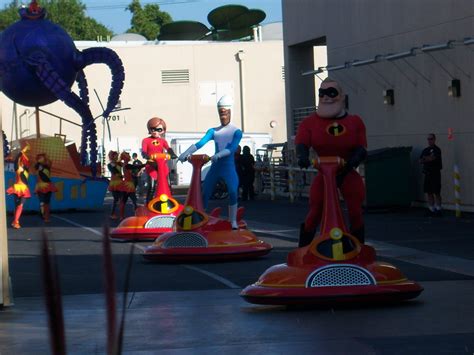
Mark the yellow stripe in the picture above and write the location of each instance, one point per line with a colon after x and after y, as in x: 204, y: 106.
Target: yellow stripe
x: 389, y: 282
x: 280, y: 286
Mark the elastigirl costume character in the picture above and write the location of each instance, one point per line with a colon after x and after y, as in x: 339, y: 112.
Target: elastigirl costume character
x: 227, y: 138
x: 44, y: 187
x: 153, y: 147
x: 331, y: 131
x: 20, y: 189
x: 115, y: 184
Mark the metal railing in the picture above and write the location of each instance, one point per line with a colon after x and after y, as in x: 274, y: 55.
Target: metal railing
x: 282, y: 180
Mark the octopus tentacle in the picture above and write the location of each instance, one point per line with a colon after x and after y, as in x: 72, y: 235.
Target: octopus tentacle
x: 112, y: 60
x: 83, y: 86
x: 51, y: 79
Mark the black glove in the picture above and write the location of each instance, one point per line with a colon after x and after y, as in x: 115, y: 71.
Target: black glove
x: 341, y: 175
x: 172, y: 154
x: 358, y: 156
x: 302, y: 152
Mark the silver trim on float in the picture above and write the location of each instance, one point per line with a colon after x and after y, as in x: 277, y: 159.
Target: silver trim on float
x: 160, y: 222
x: 338, y: 275
x: 185, y: 240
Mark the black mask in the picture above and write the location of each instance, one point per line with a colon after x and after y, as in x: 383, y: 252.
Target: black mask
x: 330, y: 92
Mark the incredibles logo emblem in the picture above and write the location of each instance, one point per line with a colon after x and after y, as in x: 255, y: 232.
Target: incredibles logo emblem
x: 155, y: 143
x: 336, y: 129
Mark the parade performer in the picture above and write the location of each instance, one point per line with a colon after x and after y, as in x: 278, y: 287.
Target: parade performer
x: 227, y: 138
x: 115, y: 184
x: 128, y: 184
x: 44, y: 187
x: 152, y: 147
x: 20, y: 188
x: 331, y: 131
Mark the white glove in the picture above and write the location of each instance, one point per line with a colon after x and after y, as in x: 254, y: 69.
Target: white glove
x: 182, y: 158
x: 223, y: 153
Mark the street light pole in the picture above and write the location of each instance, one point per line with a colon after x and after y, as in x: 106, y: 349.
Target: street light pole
x: 240, y: 57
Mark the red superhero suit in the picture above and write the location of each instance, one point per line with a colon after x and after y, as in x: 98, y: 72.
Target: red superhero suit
x: 150, y: 148
x: 20, y: 188
x: 335, y: 137
x: 153, y: 148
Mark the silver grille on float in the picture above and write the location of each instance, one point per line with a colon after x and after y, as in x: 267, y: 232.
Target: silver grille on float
x: 340, y: 275
x: 185, y: 240
x: 160, y: 222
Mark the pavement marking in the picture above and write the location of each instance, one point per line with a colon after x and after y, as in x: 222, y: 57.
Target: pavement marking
x: 423, y: 258
x: 388, y: 250
x: 94, y: 231
x: 216, y: 277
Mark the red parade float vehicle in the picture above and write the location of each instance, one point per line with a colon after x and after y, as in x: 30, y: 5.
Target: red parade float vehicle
x: 198, y: 236
x: 335, y: 267
x: 158, y: 216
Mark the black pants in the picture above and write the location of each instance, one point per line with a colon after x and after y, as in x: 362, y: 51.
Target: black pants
x: 432, y: 183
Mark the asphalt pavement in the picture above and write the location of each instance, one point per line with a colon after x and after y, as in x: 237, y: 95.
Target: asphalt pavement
x: 196, y: 309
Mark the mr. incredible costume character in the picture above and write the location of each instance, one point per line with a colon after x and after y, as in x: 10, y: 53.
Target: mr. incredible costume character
x: 152, y: 147
x: 20, y: 189
x: 331, y: 131
x: 226, y: 138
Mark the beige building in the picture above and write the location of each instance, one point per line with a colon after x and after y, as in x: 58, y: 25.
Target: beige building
x: 180, y: 82
x: 419, y: 49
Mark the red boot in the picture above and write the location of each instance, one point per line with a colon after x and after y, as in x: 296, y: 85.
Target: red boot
x: 122, y: 210
x: 16, y: 220
x: 46, y: 213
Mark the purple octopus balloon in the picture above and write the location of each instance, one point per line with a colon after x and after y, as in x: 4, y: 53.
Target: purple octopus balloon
x: 39, y: 63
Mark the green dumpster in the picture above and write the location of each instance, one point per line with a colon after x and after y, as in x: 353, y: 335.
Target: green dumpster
x: 388, y: 178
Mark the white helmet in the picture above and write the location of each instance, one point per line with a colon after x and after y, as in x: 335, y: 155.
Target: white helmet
x: 225, y: 102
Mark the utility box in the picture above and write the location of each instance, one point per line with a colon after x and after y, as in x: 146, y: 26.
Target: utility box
x: 389, y: 178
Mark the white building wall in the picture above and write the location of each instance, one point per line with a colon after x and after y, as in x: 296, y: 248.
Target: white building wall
x: 179, y: 104
x: 359, y: 30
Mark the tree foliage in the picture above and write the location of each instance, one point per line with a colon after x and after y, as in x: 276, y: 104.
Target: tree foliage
x: 70, y: 15
x: 147, y: 20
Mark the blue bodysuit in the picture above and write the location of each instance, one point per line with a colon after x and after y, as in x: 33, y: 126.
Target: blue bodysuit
x: 225, y: 137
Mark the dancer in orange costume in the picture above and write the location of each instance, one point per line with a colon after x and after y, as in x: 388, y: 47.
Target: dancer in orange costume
x: 44, y: 187
x: 20, y: 188
x: 115, y: 185
x: 128, y: 185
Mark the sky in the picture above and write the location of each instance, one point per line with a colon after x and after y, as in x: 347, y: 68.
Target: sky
x: 112, y: 14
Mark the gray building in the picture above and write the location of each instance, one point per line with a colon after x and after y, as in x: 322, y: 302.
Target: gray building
x: 407, y: 67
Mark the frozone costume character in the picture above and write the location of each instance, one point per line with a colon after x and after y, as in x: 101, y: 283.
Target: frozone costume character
x: 331, y: 131
x: 44, y: 186
x: 19, y: 189
x: 116, y: 178
x: 152, y: 147
x: 226, y: 138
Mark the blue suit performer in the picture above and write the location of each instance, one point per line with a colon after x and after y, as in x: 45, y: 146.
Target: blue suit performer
x: 227, y: 138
